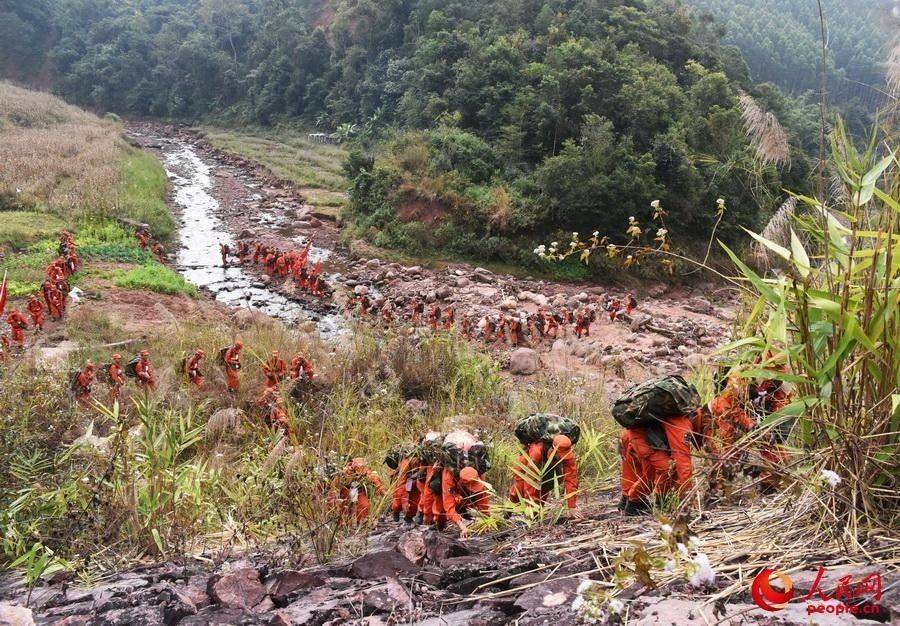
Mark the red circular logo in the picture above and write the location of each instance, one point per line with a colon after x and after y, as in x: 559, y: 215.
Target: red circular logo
x: 767, y: 597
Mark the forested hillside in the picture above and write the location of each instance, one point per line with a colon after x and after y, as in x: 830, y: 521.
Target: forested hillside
x: 482, y: 122
x: 781, y: 40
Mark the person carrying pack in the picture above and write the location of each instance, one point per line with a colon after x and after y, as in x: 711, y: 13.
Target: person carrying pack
x: 81, y: 382
x: 548, y: 440
x: 460, y: 485
x: 352, y: 489
x: 230, y: 359
x: 404, y: 469
x: 141, y: 370
x: 661, y: 417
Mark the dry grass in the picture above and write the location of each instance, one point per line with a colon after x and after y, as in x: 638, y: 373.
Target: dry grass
x: 777, y: 229
x: 57, y: 158
x: 56, y: 154
x: 766, y: 132
x: 291, y: 157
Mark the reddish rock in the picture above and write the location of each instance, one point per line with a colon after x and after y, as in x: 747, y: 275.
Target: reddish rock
x: 412, y: 545
x: 381, y: 564
x: 289, y: 581
x: 238, y: 589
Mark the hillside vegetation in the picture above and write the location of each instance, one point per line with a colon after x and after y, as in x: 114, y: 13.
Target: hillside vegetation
x: 482, y: 123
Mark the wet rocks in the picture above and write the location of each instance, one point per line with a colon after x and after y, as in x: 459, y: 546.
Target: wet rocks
x: 524, y: 361
x: 239, y: 588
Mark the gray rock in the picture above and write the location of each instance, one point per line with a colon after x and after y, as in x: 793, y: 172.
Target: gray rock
x: 560, y: 592
x: 439, y: 547
x: 319, y: 604
x: 144, y: 615
x: 443, y: 292
x: 524, y: 361
x: 640, y: 320
x: 360, y: 290
x: 387, y: 598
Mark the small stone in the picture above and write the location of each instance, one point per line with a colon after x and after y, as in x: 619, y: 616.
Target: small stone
x: 411, y: 544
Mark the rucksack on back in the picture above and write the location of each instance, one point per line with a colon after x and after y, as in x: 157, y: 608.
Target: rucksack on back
x: 130, y: 370
x: 654, y: 401
x: 543, y: 427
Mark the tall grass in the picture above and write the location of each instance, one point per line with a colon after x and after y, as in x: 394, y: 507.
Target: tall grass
x: 59, y: 159
x: 833, y: 315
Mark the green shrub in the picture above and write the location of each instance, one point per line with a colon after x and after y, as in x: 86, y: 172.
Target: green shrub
x: 142, y: 193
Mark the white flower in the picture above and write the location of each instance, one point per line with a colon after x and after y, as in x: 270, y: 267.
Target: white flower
x: 575, y: 234
x: 584, y: 586
x: 666, y: 529
x: 661, y: 232
x: 630, y: 218
x: 577, y: 604
x: 694, y: 541
x: 596, y: 233
x: 616, y: 606
x: 830, y: 477
x: 630, y: 257
x: 611, y: 246
x: 720, y: 201
x: 573, y: 244
x: 655, y: 204
x: 704, y: 575
x: 682, y: 548
x: 554, y: 244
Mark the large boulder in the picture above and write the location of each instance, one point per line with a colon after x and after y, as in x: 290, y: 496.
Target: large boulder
x: 238, y: 589
x: 524, y: 361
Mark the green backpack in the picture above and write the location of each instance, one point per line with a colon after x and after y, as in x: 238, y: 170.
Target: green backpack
x: 544, y: 426
x: 654, y: 401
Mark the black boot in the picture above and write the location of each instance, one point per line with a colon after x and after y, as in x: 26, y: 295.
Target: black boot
x: 634, y: 508
x: 396, y: 516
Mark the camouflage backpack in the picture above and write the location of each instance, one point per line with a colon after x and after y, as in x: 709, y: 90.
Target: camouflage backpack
x: 544, y: 426
x: 130, y: 370
x: 462, y: 449
x: 73, y: 381
x: 654, y: 401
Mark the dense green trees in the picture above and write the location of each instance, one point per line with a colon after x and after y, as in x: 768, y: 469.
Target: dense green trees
x: 781, y: 42
x: 493, y: 117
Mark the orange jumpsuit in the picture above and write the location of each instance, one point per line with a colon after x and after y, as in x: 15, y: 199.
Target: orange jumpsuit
x: 537, y: 454
x: 458, y: 494
x: 300, y: 364
x: 36, y: 311
x: 275, y: 371
x: 427, y: 496
x: 142, y: 239
x: 17, y: 324
x: 232, y: 360
x: 48, y: 290
x: 350, y: 491
x: 729, y: 419
x: 648, y: 472
x: 405, y: 490
x: 116, y: 378
x: 83, y: 382
x: 192, y: 368
x: 146, y: 378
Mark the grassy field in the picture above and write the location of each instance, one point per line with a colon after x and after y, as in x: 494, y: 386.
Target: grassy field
x: 316, y: 168
x: 66, y: 165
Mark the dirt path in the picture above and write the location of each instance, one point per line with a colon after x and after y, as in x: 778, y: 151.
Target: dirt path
x: 672, y: 329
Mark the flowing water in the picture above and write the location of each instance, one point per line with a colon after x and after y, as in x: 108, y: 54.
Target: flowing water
x: 201, y: 231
